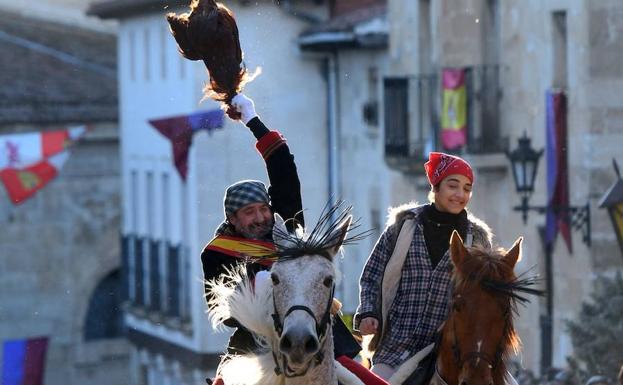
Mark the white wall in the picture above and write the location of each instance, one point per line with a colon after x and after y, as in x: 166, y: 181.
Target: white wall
x: 155, y: 82
x: 366, y: 181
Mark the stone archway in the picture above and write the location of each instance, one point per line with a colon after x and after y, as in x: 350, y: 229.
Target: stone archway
x: 104, y: 317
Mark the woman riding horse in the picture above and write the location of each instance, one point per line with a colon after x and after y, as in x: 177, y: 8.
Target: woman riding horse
x: 405, y: 282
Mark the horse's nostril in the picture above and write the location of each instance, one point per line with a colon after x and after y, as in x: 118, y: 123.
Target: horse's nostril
x: 463, y: 382
x: 311, y: 345
x: 285, y: 345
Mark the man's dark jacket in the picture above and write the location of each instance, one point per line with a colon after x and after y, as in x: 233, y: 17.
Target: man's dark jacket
x: 285, y: 196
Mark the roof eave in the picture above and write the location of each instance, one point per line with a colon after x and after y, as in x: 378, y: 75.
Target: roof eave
x: 372, y: 33
x: 327, y: 41
x: 120, y: 9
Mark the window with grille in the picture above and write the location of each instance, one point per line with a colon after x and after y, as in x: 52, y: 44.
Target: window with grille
x: 396, y: 116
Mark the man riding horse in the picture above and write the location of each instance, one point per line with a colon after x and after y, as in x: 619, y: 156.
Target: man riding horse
x: 249, y: 216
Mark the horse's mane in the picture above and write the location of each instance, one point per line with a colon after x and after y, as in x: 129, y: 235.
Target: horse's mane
x: 321, y: 238
x: 234, y: 296
x: 485, y: 267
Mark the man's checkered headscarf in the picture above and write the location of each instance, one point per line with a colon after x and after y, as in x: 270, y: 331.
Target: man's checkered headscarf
x: 243, y: 193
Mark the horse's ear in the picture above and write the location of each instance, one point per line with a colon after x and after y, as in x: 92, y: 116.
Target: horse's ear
x: 338, y: 236
x: 457, y: 249
x: 514, y: 254
x: 280, y: 232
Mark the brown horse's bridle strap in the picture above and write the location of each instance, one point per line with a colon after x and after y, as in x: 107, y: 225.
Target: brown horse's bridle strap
x: 321, y: 332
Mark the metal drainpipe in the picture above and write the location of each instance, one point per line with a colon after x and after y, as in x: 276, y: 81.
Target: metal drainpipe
x: 333, y: 126
x: 333, y: 130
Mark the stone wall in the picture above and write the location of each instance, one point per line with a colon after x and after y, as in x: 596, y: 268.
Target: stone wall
x: 56, y: 247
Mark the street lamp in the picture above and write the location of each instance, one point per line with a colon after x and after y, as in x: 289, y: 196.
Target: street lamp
x: 524, y: 163
x: 613, y: 201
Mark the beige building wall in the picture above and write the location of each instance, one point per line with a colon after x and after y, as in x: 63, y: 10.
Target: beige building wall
x: 530, y: 63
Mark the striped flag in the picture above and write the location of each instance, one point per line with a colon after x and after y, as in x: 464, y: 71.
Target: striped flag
x: 30, y: 161
x: 24, y: 361
x: 22, y: 150
x: 180, y: 129
x: 454, y: 109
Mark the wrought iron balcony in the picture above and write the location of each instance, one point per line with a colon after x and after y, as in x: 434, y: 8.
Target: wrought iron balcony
x: 152, y: 286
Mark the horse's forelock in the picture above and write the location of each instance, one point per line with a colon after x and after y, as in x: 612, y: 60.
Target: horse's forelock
x: 483, y: 265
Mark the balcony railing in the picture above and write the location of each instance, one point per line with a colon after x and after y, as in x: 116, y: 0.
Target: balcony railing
x: 155, y: 290
x: 413, y: 116
x: 156, y: 277
x: 484, y: 96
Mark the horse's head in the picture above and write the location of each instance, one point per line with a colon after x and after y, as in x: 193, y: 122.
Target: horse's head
x: 303, y: 280
x: 479, y: 328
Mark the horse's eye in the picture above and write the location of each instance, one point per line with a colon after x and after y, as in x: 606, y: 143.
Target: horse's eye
x: 274, y: 278
x: 457, y: 303
x: 328, y: 281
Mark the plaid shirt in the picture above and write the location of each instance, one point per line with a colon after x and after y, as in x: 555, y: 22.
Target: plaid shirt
x: 421, y: 302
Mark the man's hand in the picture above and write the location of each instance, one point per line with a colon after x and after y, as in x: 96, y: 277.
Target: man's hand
x: 245, y: 107
x: 368, y: 325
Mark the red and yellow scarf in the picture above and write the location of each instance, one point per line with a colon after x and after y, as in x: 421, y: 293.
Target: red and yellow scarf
x: 244, y: 248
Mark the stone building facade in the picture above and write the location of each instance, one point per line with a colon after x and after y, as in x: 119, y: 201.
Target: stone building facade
x: 60, y: 249
x: 518, y: 50
x: 367, y: 115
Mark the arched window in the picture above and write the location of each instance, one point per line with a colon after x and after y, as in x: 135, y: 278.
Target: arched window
x: 105, y: 317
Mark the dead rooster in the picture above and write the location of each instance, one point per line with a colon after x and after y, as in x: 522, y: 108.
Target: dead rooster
x: 209, y: 33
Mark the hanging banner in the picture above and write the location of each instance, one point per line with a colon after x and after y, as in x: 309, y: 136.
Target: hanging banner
x: 23, y: 183
x: 180, y: 129
x: 24, y: 361
x: 22, y: 150
x: 557, y: 168
x: 30, y: 161
x: 454, y: 109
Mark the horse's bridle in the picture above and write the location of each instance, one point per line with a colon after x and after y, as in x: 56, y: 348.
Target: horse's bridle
x: 321, y: 332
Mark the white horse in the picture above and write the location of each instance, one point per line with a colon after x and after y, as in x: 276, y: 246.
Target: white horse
x: 290, y: 312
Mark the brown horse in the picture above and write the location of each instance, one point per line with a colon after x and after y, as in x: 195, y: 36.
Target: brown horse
x: 478, y: 335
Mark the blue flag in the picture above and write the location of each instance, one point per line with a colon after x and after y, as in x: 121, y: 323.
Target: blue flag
x: 24, y: 361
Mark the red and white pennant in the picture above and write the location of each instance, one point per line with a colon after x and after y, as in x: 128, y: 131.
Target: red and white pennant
x: 30, y: 161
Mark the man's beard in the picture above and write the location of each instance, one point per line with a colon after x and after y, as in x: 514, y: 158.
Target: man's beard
x: 256, y: 231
